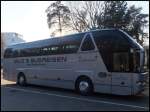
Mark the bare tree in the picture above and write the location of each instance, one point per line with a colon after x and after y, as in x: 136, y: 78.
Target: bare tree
x: 85, y: 17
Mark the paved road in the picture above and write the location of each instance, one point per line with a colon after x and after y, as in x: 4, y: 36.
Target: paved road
x: 38, y: 98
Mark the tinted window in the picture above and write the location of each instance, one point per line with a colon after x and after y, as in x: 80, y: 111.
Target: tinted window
x: 35, y: 52
x: 44, y: 51
x: 121, y: 62
x: 15, y: 53
x: 111, y: 39
x: 68, y: 44
x: 8, y: 53
x: 109, y: 43
x: 24, y: 52
x: 55, y: 49
x: 87, y: 44
x: 136, y: 62
x: 70, y: 48
x: 29, y: 52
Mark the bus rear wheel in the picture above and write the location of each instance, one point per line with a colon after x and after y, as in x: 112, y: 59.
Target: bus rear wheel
x: 84, y: 86
x: 21, y: 80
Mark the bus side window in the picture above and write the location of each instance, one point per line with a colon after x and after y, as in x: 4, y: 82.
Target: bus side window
x: 8, y: 53
x: 23, y: 53
x: 15, y: 53
x: 71, y: 48
x: 44, y: 51
x: 55, y: 49
x: 48, y: 50
x: 36, y: 52
x: 87, y: 44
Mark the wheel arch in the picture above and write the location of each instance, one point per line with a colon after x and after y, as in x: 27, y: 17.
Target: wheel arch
x: 21, y: 74
x: 83, y: 76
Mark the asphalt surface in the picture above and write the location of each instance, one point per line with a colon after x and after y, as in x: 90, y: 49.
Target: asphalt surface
x: 40, y: 98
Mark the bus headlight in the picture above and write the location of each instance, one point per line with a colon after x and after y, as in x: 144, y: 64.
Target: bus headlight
x: 141, y: 83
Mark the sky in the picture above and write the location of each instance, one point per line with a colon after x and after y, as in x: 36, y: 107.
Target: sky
x: 28, y: 18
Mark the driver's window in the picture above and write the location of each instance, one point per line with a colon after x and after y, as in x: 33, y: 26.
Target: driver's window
x: 87, y: 44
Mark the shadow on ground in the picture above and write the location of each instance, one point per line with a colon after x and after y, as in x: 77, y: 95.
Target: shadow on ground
x: 134, y: 98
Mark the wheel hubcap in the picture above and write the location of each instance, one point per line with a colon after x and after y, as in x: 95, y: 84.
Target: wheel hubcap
x: 21, y: 80
x: 83, y: 86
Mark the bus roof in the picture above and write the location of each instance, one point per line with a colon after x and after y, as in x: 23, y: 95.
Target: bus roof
x: 53, y: 41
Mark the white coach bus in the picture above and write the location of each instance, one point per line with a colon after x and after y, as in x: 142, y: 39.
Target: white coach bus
x: 105, y: 61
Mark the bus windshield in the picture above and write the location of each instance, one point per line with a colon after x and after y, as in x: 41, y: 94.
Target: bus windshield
x: 115, y: 48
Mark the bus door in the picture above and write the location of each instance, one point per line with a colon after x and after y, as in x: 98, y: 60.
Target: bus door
x: 102, y: 78
x: 87, y: 56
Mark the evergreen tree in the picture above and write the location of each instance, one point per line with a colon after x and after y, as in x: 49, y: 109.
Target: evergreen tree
x: 117, y: 15
x: 57, y: 13
x: 114, y: 14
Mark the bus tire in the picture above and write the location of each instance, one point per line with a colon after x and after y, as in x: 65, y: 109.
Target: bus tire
x: 84, y: 86
x: 21, y: 80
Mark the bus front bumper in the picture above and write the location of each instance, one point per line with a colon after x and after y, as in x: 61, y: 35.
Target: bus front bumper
x: 142, y: 84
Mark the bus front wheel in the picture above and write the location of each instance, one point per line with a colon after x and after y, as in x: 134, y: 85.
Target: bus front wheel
x: 84, y: 86
x: 21, y: 80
